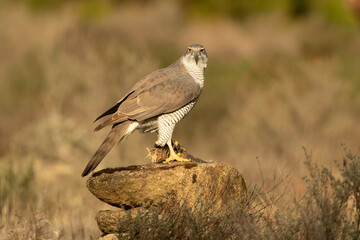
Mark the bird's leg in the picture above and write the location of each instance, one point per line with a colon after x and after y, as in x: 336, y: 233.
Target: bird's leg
x: 173, y: 156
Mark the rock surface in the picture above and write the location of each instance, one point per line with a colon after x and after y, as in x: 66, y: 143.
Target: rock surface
x: 110, y: 237
x: 150, y: 185
x: 110, y: 221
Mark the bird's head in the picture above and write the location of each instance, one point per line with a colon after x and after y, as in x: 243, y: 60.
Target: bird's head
x: 196, y: 55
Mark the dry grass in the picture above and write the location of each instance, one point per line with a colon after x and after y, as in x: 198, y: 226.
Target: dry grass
x: 273, y: 85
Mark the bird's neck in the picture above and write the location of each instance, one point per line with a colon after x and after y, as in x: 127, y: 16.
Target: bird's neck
x: 195, y: 71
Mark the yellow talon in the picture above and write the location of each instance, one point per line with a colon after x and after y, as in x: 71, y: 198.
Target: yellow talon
x: 181, y: 159
x: 176, y: 143
x: 177, y: 158
x: 173, y: 156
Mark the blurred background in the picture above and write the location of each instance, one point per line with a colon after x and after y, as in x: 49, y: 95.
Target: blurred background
x: 282, y: 75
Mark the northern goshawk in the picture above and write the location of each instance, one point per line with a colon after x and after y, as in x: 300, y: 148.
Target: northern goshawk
x: 155, y: 104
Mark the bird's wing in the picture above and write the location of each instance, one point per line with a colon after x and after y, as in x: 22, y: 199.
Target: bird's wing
x: 140, y: 85
x: 160, y: 92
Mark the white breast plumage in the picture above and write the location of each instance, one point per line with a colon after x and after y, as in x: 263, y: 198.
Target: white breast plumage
x: 196, y: 72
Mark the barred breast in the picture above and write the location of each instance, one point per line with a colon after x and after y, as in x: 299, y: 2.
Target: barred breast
x: 166, y: 122
x: 175, y: 117
x: 152, y: 125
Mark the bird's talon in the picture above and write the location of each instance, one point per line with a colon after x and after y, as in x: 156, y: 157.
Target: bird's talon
x: 177, y: 158
x: 182, y: 160
x: 167, y: 160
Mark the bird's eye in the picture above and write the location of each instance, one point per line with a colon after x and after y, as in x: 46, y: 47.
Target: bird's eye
x: 202, y: 50
x: 189, y: 50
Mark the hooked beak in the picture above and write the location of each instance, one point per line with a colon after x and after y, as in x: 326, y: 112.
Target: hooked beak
x: 196, y: 55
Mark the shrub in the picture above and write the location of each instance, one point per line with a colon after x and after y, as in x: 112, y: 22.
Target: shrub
x: 330, y: 209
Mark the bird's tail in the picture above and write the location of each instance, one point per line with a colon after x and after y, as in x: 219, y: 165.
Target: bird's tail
x: 116, y: 134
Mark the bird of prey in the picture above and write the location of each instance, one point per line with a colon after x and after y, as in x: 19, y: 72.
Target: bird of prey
x: 155, y: 104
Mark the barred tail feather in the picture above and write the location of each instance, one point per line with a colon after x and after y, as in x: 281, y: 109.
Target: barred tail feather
x: 116, y: 134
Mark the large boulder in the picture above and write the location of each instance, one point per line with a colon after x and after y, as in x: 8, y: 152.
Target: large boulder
x: 215, y: 184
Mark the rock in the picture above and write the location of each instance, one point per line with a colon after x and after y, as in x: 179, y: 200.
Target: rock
x: 110, y: 237
x: 110, y: 221
x: 150, y: 185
